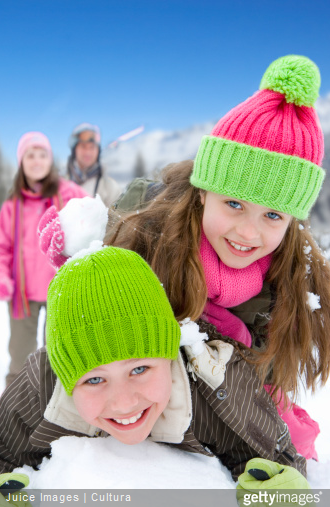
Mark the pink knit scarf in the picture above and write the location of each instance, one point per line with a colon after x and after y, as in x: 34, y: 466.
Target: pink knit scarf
x: 228, y: 287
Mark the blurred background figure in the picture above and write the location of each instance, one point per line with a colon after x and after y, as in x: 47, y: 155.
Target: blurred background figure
x: 25, y: 272
x: 84, y: 167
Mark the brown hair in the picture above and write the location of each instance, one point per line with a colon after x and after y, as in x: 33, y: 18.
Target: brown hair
x: 49, y: 188
x: 167, y: 235
x: 298, y: 344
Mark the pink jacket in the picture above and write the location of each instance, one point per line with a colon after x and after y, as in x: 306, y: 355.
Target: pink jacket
x: 38, y: 272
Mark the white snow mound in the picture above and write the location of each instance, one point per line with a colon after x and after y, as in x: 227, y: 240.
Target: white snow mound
x: 101, y: 463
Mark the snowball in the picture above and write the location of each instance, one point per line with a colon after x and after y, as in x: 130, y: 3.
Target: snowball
x: 313, y: 300
x: 83, y: 221
x: 191, y: 336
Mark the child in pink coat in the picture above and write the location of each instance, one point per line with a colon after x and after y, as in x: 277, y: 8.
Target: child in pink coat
x: 25, y: 272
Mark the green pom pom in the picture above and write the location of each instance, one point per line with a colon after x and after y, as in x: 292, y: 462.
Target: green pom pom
x: 297, y: 77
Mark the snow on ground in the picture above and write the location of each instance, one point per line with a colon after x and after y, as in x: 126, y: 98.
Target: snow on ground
x: 143, y: 466
x: 105, y: 463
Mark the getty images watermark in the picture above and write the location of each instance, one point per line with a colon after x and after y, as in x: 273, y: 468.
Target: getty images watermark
x: 166, y: 498
x: 279, y: 498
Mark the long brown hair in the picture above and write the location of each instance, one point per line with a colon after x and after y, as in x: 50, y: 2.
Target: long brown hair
x: 167, y: 235
x: 50, y: 183
x: 298, y: 344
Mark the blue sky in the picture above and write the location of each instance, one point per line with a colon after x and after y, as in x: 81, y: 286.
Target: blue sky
x: 165, y: 64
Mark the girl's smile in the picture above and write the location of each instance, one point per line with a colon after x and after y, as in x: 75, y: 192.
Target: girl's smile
x: 125, y: 398
x: 130, y: 420
x: 129, y: 423
x: 241, y: 232
x: 239, y: 249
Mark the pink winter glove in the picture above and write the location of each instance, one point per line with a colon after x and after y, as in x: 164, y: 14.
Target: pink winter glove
x: 51, y: 237
x: 6, y: 288
x: 227, y: 323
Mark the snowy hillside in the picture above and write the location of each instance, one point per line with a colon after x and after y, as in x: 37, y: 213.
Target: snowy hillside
x: 155, y: 150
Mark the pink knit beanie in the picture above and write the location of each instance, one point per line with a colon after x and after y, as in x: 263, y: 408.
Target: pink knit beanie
x: 268, y: 149
x: 32, y: 140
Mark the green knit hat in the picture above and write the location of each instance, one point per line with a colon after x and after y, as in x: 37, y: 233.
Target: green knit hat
x: 268, y: 150
x: 107, y: 306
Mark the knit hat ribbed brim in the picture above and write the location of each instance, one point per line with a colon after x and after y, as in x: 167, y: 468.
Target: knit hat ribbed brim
x: 105, y: 307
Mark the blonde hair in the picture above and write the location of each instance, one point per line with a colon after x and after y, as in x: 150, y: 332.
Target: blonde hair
x: 167, y: 235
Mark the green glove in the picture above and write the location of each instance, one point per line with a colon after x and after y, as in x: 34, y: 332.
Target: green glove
x: 13, y: 482
x: 264, y: 474
x: 9, y: 486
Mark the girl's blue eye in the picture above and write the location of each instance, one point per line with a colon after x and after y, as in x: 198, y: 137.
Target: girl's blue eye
x: 139, y: 369
x: 273, y: 216
x: 234, y: 204
x: 94, y: 380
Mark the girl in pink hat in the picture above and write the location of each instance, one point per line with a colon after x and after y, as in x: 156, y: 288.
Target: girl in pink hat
x: 24, y: 271
x: 228, y: 237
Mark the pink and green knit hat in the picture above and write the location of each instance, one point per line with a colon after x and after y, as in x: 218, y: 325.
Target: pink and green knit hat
x: 268, y: 150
